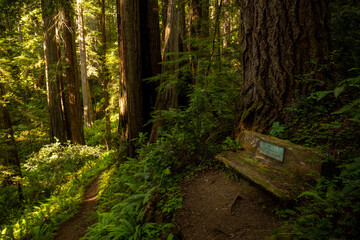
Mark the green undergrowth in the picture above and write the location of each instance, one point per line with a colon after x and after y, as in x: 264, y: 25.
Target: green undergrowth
x: 53, y: 185
x: 328, y: 120
x: 139, y: 196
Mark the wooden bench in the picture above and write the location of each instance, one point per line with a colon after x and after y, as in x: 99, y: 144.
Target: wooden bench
x: 280, y: 167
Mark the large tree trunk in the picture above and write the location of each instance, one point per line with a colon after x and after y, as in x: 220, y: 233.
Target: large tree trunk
x: 72, y: 75
x: 150, y: 55
x: 57, y: 129
x: 168, y: 98
x: 9, y: 154
x: 87, y: 104
x: 279, y: 38
x: 131, y: 67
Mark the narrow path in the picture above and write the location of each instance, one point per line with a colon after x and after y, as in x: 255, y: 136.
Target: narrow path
x: 75, y: 228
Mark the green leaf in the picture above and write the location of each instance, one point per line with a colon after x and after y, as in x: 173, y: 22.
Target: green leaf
x: 338, y: 91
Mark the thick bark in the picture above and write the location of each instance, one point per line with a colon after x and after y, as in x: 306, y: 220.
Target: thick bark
x: 168, y: 98
x: 57, y: 128
x: 86, y: 96
x: 72, y: 76
x: 131, y: 67
x: 104, y: 71
x: 150, y: 55
x: 9, y: 155
x: 279, y: 38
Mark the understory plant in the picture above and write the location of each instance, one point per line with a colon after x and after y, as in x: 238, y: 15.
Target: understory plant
x: 53, y: 186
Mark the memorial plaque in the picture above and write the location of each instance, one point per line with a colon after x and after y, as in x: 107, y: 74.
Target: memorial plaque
x: 272, y: 151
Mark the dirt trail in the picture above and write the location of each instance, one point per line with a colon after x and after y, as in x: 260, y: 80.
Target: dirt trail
x: 216, y: 207
x: 75, y: 228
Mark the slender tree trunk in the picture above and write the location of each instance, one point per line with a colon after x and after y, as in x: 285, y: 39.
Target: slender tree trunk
x: 168, y: 98
x: 9, y: 155
x: 104, y: 70
x: 88, y: 108
x: 164, y: 8
x: 57, y: 128
x: 130, y: 60
x: 72, y: 75
x: 123, y: 127
x: 279, y: 38
x: 150, y: 55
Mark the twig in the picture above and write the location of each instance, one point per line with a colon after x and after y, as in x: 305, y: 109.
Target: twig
x: 237, y: 198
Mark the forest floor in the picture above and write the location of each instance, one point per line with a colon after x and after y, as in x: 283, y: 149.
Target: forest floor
x: 216, y: 207
x: 75, y: 228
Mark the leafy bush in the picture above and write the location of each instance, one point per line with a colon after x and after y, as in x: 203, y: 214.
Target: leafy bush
x: 55, y: 163
x: 331, y: 210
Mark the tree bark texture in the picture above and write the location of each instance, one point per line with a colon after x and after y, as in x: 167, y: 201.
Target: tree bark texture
x: 86, y: 96
x: 150, y: 55
x: 279, y: 38
x: 72, y: 75
x: 57, y: 129
x: 130, y: 60
x: 9, y: 155
x: 168, y: 97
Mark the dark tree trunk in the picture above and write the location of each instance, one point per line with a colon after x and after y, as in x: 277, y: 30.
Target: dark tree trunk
x: 150, y: 55
x: 9, y: 155
x: 57, y: 128
x: 130, y: 62
x: 72, y: 75
x: 279, y: 38
x: 64, y: 97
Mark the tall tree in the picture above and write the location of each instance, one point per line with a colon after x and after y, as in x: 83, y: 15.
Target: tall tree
x: 57, y: 128
x: 123, y: 118
x: 130, y: 61
x: 168, y: 97
x: 86, y: 96
x: 104, y: 73
x: 279, y: 39
x: 72, y: 74
x: 9, y: 156
x: 150, y: 54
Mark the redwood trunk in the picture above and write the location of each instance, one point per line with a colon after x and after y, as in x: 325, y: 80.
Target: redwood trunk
x: 279, y: 38
x: 150, y: 55
x: 168, y: 98
x: 57, y: 129
x: 86, y: 96
x: 130, y: 61
x: 72, y: 76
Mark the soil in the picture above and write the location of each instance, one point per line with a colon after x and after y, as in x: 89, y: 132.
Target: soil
x: 75, y: 228
x: 216, y: 207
